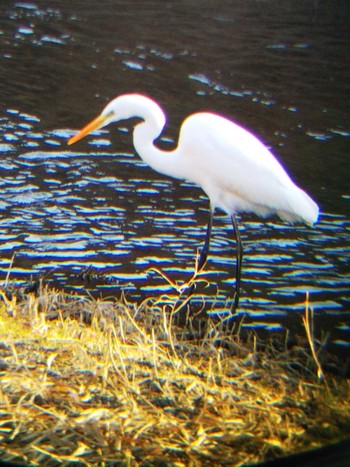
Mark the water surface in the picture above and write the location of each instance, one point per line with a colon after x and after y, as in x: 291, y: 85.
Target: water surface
x: 277, y: 69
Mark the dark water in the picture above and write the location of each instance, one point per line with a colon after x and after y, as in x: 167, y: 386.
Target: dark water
x: 278, y: 67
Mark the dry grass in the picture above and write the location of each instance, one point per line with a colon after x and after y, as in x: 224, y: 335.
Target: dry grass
x: 86, y: 382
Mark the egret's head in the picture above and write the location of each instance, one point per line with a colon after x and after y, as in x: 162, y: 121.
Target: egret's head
x: 122, y: 108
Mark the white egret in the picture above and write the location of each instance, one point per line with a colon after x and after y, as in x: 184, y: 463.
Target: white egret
x: 232, y: 166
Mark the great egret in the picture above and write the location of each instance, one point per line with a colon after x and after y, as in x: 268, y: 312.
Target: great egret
x: 235, y: 169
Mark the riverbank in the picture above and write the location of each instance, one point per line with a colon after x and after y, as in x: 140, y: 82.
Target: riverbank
x: 95, y: 382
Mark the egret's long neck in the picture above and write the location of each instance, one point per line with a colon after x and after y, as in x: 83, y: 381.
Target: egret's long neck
x: 145, y: 133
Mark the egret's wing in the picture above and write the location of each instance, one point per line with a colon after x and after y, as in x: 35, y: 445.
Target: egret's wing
x: 238, y: 172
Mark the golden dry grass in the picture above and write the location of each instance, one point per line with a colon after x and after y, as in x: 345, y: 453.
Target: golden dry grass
x: 89, y: 382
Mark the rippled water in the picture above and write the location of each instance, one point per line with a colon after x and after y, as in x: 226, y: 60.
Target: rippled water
x: 275, y: 70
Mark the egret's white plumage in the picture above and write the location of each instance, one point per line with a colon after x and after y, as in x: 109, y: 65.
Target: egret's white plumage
x: 234, y: 168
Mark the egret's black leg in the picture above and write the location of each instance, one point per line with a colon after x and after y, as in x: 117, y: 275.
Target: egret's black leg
x: 201, y: 262
x: 205, y: 250
x: 239, y: 248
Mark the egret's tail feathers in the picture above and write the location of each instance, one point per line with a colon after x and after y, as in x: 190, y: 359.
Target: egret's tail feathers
x: 301, y: 208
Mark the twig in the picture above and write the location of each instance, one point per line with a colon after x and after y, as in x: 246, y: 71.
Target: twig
x: 308, y: 324
x: 9, y: 269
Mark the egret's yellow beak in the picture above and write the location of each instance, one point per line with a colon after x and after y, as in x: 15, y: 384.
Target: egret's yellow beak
x: 94, y: 125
